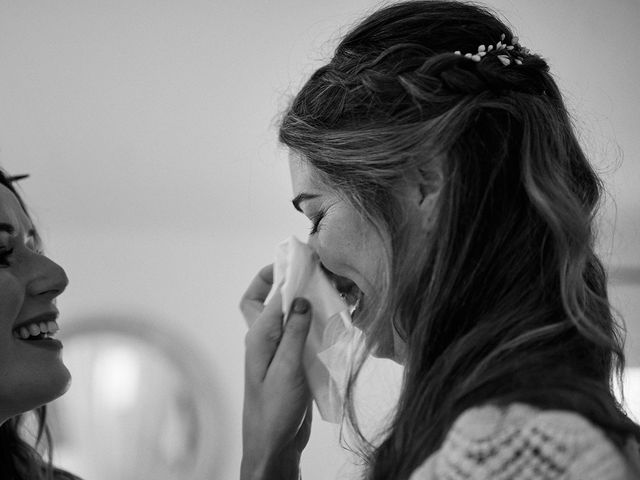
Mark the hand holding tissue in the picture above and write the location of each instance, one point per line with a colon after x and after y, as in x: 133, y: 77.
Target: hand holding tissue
x: 332, y: 338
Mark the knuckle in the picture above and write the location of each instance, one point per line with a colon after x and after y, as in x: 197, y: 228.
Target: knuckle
x: 289, y: 366
x: 255, y: 337
x: 249, y: 313
x: 266, y: 273
x: 249, y: 339
x: 297, y: 328
x: 273, y: 336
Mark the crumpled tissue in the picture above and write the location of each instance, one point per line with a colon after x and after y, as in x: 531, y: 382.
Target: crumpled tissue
x: 332, y: 338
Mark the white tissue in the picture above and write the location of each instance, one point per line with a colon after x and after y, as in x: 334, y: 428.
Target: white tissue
x: 332, y: 338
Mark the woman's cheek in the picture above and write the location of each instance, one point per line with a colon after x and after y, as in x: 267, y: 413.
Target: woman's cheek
x: 330, y: 249
x: 11, y: 297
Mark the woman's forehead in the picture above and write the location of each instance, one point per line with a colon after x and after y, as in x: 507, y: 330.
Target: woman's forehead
x: 304, y: 176
x: 11, y: 212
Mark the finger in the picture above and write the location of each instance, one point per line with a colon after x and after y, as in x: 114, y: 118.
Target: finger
x: 304, y: 432
x: 252, y: 302
x: 263, y: 339
x: 307, y: 419
x: 290, y: 350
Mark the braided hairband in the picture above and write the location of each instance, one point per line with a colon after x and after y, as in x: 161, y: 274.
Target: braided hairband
x: 507, y: 52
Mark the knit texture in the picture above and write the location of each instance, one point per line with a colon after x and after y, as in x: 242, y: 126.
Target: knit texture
x: 520, y: 442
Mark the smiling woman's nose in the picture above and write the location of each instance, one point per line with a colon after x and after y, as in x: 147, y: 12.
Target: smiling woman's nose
x: 49, y: 278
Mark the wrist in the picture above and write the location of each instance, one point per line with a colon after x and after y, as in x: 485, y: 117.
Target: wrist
x: 284, y: 465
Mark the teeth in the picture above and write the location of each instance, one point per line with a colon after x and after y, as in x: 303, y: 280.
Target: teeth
x: 353, y: 308
x: 34, y: 329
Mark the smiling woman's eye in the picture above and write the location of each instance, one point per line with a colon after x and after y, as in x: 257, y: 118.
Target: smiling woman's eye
x: 34, y: 246
x: 5, y: 254
x: 6, y: 248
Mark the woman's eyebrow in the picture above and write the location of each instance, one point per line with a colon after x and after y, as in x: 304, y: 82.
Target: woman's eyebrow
x: 302, y: 197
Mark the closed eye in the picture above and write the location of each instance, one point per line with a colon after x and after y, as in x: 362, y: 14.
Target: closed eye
x: 315, y: 222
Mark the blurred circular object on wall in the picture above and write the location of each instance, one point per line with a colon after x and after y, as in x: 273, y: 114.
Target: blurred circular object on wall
x: 142, y: 405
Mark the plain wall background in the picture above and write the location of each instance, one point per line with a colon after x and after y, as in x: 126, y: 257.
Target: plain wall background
x: 149, y: 130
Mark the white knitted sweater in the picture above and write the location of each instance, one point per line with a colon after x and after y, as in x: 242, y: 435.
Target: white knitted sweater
x: 520, y: 442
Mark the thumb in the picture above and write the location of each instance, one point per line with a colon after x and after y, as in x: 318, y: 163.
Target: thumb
x: 295, y: 333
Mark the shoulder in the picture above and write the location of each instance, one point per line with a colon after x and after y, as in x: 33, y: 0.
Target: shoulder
x: 522, y: 442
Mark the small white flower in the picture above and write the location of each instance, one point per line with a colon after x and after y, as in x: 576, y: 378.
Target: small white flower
x: 504, y: 59
x: 501, y: 47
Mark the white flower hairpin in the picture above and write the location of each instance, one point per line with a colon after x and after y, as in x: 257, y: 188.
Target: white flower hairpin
x: 504, y: 51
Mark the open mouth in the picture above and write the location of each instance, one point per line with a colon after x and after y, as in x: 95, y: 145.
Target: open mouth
x: 347, y: 289
x: 36, y: 330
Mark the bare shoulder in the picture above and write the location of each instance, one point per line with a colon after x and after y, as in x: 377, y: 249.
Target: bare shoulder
x: 520, y: 441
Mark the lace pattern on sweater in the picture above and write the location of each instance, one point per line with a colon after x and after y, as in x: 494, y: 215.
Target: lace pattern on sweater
x: 523, y: 443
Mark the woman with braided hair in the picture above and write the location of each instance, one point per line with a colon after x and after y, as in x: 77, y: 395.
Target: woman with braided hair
x: 31, y: 369
x: 436, y: 160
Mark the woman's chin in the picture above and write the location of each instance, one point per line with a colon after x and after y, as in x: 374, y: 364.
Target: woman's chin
x: 39, y: 391
x: 49, y: 389
x: 382, y: 350
x: 388, y: 353
x: 64, y: 382
x: 389, y: 348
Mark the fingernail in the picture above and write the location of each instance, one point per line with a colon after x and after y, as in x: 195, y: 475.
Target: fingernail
x: 300, y: 305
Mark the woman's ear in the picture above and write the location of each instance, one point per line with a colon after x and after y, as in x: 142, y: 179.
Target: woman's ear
x: 428, y: 205
x: 422, y: 191
x: 428, y: 189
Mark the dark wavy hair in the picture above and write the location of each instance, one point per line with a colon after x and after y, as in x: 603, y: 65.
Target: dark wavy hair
x: 506, y: 300
x: 19, y: 459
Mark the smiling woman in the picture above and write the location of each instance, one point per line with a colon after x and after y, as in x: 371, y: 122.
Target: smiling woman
x: 31, y: 369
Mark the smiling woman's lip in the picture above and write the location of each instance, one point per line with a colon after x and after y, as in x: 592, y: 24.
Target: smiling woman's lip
x: 48, y: 343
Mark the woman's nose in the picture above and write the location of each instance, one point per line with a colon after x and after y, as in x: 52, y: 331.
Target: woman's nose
x: 49, y: 278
